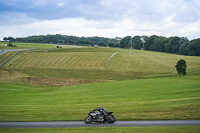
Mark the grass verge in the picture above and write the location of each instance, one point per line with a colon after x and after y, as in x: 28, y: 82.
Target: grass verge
x: 144, y: 99
x: 168, y: 129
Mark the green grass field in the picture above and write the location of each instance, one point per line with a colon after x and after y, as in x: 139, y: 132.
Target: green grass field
x: 139, y: 86
x: 143, y: 99
x: 173, y: 129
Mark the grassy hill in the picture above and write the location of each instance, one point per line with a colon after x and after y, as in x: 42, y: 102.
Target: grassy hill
x: 92, y: 64
x: 161, y: 95
x: 142, y: 99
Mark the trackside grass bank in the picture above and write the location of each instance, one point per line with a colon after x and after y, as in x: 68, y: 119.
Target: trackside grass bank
x: 142, y: 99
x: 173, y: 129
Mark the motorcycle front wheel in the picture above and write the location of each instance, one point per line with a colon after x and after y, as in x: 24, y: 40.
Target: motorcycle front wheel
x: 111, y: 119
x: 88, y: 120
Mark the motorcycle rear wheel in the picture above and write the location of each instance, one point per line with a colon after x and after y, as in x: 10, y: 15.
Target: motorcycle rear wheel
x: 88, y: 120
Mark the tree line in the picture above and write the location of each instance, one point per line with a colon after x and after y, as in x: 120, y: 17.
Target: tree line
x: 68, y: 40
x: 175, y: 44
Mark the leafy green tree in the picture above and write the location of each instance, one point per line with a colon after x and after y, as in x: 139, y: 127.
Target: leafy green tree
x: 149, y: 41
x: 183, y: 49
x: 158, y: 45
x: 11, y: 39
x: 194, y: 47
x: 174, y: 44
x: 5, y: 38
x: 143, y: 38
x: 137, y: 42
x: 181, y: 67
x: 125, y: 42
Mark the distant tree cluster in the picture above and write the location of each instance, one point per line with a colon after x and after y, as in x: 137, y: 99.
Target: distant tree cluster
x: 70, y: 40
x: 177, y: 45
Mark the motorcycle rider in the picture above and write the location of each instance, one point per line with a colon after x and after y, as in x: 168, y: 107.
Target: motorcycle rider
x: 101, y: 111
x: 100, y: 115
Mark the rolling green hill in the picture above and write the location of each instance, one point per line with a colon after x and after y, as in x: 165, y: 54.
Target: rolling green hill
x: 123, y: 89
x: 92, y: 64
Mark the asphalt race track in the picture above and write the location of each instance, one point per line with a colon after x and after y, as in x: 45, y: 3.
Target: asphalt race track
x: 82, y: 124
x: 7, y: 50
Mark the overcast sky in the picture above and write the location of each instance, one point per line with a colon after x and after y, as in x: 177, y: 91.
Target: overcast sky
x: 105, y: 18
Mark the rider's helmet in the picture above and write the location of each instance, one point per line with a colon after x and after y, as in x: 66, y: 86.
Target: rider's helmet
x: 100, y: 108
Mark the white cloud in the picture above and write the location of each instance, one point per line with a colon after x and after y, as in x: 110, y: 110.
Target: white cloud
x: 112, y: 18
x: 60, y: 4
x: 153, y: 10
x: 105, y: 28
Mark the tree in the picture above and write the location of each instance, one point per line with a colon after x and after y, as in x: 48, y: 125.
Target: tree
x: 149, y: 41
x: 184, y: 49
x: 5, y: 38
x: 158, y: 45
x: 137, y: 42
x: 194, y: 47
x: 173, y: 45
x: 125, y: 42
x: 143, y: 39
x: 181, y: 67
x: 11, y: 39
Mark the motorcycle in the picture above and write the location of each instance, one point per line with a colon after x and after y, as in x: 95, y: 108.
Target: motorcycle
x: 100, y: 116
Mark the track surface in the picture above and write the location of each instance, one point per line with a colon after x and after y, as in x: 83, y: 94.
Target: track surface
x: 7, y: 50
x: 82, y: 124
